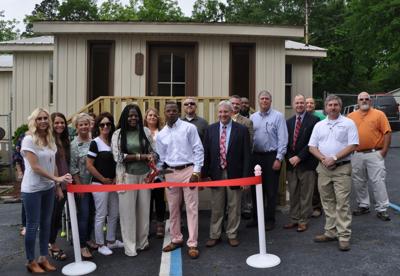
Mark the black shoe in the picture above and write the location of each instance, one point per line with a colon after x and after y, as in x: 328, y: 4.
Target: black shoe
x: 269, y: 226
x: 252, y: 223
x: 383, y: 216
x: 361, y: 211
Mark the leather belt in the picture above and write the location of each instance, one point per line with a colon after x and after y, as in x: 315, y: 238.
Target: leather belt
x: 341, y: 163
x: 265, y: 152
x: 368, y: 150
x: 180, y: 167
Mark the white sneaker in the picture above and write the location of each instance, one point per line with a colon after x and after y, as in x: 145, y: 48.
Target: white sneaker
x: 116, y: 244
x: 104, y: 250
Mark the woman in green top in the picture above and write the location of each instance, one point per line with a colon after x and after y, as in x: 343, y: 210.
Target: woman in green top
x: 132, y: 149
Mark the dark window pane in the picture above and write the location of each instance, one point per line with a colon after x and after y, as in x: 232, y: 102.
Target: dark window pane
x: 179, y: 68
x: 288, y: 73
x: 288, y: 95
x: 178, y: 90
x: 164, y: 68
x: 164, y: 90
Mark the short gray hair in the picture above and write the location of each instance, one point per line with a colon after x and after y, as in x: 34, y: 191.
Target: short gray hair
x: 264, y: 93
x: 81, y: 117
x: 333, y: 97
x: 299, y: 95
x: 226, y: 103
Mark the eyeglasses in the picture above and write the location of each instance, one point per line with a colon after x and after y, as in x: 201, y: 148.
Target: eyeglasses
x: 189, y: 103
x: 102, y: 125
x: 363, y: 99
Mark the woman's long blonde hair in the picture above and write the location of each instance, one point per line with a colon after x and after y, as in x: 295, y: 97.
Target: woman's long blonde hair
x: 32, y: 126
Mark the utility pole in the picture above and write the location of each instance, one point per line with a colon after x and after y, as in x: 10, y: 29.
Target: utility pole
x: 306, y: 24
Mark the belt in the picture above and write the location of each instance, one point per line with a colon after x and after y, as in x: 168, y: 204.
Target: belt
x: 180, y: 167
x: 342, y: 163
x: 368, y: 150
x: 265, y: 152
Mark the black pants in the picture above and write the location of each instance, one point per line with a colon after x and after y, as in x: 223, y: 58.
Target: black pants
x: 316, y: 200
x: 57, y: 217
x: 157, y: 196
x: 270, y: 184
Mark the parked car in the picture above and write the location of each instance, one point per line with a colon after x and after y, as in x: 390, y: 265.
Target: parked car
x: 384, y: 102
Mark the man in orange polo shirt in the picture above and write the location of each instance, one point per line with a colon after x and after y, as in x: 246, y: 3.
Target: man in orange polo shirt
x: 368, y: 161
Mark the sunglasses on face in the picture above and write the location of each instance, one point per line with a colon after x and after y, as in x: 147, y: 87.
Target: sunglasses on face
x: 190, y: 103
x: 363, y: 99
x: 42, y: 118
x: 102, y: 125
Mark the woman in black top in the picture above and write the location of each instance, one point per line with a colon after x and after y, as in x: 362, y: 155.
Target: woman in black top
x: 100, y: 163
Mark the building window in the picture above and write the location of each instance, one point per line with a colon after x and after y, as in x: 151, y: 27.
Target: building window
x: 171, y: 70
x: 51, y: 91
x: 288, y: 84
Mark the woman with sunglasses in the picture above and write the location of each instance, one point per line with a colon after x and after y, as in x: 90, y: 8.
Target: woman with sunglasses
x: 132, y: 151
x: 79, y: 150
x: 37, y: 187
x: 61, y: 137
x: 152, y: 120
x: 101, y: 165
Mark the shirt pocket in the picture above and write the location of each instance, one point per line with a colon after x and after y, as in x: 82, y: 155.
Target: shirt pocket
x: 341, y: 134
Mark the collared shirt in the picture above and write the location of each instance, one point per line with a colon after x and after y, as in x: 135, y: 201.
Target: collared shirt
x: 270, y: 132
x: 228, y: 132
x: 332, y: 136
x: 318, y: 114
x: 372, y: 127
x: 200, y: 123
x: 180, y: 145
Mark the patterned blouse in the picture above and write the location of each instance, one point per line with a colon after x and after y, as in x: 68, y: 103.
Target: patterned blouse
x: 79, y: 151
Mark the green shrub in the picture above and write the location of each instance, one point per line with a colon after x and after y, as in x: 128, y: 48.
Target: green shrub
x: 18, y: 132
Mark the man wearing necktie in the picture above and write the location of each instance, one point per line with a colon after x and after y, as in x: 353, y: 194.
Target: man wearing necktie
x: 300, y: 165
x: 226, y: 156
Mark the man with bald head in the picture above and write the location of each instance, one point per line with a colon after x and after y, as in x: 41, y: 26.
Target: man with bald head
x: 368, y: 162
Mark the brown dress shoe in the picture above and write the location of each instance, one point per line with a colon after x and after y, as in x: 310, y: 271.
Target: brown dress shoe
x: 290, y: 225
x: 34, y: 267
x: 212, y: 242
x: 344, y: 245
x: 301, y: 227
x: 193, y: 252
x: 233, y: 242
x: 323, y: 238
x: 47, y: 266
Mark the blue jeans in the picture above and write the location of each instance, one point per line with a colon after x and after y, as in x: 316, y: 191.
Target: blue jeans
x: 84, y: 204
x: 38, y: 209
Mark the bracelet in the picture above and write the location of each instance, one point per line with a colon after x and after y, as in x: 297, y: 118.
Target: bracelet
x: 137, y: 156
x: 196, y: 174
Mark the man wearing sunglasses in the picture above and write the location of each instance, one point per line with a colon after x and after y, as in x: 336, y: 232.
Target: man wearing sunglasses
x: 190, y: 107
x: 368, y: 163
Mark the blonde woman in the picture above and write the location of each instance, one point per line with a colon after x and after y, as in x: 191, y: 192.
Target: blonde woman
x: 79, y: 151
x: 38, y: 187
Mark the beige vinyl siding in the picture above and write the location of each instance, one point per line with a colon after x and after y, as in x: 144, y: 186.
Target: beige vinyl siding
x: 5, y: 93
x: 31, y: 84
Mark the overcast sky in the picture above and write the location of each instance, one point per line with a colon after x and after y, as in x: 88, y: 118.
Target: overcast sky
x: 19, y: 8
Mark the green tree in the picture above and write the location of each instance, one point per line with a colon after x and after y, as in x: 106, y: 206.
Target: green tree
x: 46, y: 10
x: 7, y: 28
x: 208, y: 11
x: 160, y: 10
x: 78, y: 10
x: 114, y: 10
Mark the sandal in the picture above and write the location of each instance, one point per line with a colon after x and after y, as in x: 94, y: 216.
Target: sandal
x: 58, y: 255
x: 172, y: 246
x: 193, y: 252
x: 160, y: 230
x: 86, y: 255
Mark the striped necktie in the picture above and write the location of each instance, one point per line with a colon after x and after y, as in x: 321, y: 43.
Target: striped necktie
x: 296, y: 132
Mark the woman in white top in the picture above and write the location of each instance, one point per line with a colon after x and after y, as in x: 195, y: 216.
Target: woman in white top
x: 38, y: 189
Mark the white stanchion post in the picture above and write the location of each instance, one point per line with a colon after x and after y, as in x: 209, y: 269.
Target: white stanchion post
x: 78, y: 267
x: 261, y: 260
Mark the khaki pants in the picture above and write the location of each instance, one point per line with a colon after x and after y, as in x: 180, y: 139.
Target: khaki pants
x: 335, y: 188
x: 134, y: 212
x: 370, y: 166
x: 301, y: 189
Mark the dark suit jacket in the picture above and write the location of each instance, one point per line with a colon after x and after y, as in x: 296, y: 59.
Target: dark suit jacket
x: 308, y: 161
x: 237, y: 157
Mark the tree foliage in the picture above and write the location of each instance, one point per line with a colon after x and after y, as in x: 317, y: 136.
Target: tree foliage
x: 208, y: 11
x: 7, y: 28
x: 114, y: 10
x: 160, y: 10
x: 45, y: 10
x: 78, y: 10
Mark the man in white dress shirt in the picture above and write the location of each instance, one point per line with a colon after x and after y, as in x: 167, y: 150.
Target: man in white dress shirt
x: 181, y: 151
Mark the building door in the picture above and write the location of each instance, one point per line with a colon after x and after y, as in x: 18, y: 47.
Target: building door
x: 101, y: 69
x: 242, y: 71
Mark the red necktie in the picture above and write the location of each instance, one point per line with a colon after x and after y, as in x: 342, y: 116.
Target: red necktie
x: 222, y: 148
x: 296, y: 132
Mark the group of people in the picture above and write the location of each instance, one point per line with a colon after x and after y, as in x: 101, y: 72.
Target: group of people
x: 324, y: 156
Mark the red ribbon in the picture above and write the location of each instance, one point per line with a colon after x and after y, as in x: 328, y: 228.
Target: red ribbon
x: 246, y: 181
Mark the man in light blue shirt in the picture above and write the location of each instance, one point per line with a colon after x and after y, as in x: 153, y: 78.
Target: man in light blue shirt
x: 270, y: 141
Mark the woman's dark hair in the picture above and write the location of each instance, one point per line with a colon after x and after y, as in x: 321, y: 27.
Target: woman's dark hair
x: 124, y: 126
x: 62, y: 140
x: 96, y: 128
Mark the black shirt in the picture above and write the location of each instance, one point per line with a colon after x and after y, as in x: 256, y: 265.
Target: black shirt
x: 103, y: 158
